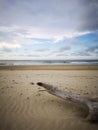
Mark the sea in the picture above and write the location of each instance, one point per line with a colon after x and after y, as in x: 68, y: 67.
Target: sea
x: 47, y: 62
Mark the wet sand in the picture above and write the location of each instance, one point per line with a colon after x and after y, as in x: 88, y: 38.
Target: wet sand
x: 25, y: 106
x: 50, y: 67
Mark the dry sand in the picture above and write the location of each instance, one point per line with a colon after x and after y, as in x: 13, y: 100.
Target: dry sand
x: 23, y: 106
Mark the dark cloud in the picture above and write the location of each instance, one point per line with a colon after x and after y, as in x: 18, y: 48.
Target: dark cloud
x: 51, y: 15
x: 87, y: 51
x: 64, y: 48
x: 92, y: 49
x: 89, y: 16
x: 62, y: 51
x: 81, y: 53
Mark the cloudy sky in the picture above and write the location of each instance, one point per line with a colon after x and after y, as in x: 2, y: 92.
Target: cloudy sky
x: 48, y: 29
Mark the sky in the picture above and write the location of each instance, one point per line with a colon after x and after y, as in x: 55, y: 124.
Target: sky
x: 48, y: 29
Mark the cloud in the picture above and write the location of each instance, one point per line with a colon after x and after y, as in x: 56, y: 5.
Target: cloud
x: 87, y: 51
x: 53, y: 19
x: 62, y: 55
x: 89, y: 16
x: 65, y: 48
x: 42, y: 50
x: 81, y: 53
x: 74, y: 41
x: 17, y: 37
x: 24, y: 23
x: 92, y: 49
x: 31, y: 55
x: 8, y: 46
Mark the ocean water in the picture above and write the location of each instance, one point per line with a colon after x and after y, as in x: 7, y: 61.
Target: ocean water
x: 48, y: 62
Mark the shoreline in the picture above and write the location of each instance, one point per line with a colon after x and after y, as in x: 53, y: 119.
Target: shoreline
x: 50, y: 67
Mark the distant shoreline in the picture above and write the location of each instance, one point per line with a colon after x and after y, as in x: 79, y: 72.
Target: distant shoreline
x: 47, y: 62
x: 49, y: 67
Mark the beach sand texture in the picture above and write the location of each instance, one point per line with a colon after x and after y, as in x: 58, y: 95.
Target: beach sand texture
x: 24, y: 106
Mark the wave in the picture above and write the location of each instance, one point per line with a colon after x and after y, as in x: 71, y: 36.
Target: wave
x: 48, y: 62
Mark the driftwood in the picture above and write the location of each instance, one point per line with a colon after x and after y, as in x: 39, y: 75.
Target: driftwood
x: 91, y: 104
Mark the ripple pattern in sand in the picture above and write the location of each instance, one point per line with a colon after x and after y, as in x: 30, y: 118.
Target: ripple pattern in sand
x: 22, y: 107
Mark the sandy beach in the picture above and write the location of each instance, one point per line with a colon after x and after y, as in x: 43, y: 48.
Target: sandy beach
x: 26, y: 106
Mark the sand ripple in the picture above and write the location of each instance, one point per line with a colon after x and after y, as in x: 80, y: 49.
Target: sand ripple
x: 23, y: 107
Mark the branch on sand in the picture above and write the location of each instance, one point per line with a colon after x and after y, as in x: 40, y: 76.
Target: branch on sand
x: 91, y: 104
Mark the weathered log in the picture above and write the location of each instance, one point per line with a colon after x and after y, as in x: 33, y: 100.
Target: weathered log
x: 91, y: 104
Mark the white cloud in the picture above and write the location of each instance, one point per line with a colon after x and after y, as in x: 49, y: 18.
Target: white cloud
x: 8, y: 46
x: 8, y: 28
x: 30, y: 35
